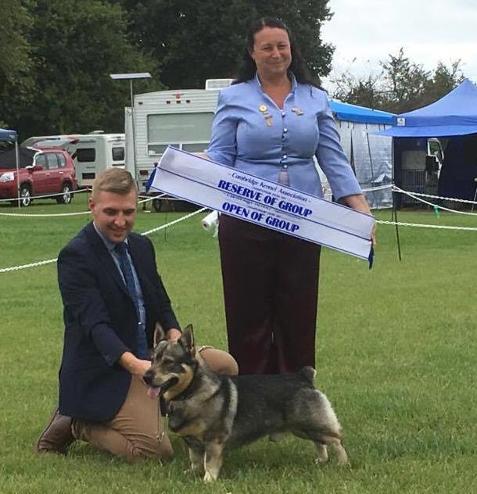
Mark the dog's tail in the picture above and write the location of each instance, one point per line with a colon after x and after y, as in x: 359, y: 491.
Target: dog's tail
x: 308, y: 373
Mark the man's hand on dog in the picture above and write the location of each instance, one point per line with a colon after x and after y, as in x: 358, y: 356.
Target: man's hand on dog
x: 139, y: 367
x: 173, y: 334
x: 134, y: 365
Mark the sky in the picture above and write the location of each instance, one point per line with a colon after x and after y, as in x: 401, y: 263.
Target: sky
x: 367, y: 31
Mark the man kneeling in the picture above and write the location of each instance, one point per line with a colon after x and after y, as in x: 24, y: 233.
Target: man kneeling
x: 112, y: 297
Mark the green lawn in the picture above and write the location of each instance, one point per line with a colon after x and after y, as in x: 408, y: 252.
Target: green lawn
x: 396, y: 354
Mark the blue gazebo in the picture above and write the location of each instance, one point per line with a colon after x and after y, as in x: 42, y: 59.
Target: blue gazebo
x: 8, y: 135
x: 452, y: 118
x: 360, y: 114
x: 454, y: 114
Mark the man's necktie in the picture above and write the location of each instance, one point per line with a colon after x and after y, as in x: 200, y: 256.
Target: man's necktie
x: 126, y: 269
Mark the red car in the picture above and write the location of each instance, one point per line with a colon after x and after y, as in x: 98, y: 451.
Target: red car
x: 42, y: 172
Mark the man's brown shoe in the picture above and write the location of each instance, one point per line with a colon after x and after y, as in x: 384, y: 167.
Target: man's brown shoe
x: 57, y: 435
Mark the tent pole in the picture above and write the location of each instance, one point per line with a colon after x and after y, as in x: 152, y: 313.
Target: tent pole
x: 370, y: 163
x: 394, y: 216
x: 370, y: 156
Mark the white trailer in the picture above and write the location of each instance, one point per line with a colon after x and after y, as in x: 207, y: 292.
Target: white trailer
x: 91, y: 153
x: 180, y: 118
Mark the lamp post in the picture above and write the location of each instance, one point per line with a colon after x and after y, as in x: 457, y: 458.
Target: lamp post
x: 131, y: 77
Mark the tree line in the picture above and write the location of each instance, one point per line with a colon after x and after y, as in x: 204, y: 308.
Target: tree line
x: 400, y: 85
x: 57, y: 55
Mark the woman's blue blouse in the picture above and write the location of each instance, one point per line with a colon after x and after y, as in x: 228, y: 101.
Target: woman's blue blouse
x: 251, y: 133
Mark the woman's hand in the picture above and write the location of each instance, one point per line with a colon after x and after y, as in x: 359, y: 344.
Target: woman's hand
x: 359, y: 203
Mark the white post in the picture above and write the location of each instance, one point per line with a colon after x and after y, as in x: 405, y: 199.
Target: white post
x: 17, y: 160
x: 130, y: 77
x: 133, y: 130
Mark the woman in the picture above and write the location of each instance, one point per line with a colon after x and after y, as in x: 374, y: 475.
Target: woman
x: 271, y: 123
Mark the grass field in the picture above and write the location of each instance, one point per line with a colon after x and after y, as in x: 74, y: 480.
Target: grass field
x: 396, y: 354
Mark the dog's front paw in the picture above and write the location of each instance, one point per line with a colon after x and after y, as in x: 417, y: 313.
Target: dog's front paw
x: 322, y: 454
x: 320, y: 460
x: 196, y: 462
x: 210, y: 477
x: 193, y: 471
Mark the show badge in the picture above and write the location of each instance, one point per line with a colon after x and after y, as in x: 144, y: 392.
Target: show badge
x: 230, y: 191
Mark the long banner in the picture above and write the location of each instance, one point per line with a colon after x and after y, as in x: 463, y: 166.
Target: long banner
x: 250, y: 198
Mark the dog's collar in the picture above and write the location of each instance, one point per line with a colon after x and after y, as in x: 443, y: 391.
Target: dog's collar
x: 186, y: 394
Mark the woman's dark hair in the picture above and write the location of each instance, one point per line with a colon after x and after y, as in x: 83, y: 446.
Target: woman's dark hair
x: 248, y: 68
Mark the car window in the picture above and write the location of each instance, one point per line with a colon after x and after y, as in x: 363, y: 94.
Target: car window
x: 41, y: 160
x: 61, y: 160
x: 52, y: 161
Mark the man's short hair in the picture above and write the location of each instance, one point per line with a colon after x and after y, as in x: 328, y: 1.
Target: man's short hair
x: 116, y: 180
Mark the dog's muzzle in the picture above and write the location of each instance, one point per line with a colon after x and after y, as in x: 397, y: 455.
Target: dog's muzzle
x: 155, y: 390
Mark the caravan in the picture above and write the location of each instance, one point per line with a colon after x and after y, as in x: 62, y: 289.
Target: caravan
x: 180, y: 118
x: 91, y: 153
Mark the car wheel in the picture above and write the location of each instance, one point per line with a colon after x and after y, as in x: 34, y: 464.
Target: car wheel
x: 25, y: 196
x: 66, y: 196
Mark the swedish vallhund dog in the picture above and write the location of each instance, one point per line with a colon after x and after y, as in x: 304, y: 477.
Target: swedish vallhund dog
x: 212, y: 412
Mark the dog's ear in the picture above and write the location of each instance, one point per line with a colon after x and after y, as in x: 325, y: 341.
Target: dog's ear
x: 187, y: 339
x: 159, y: 334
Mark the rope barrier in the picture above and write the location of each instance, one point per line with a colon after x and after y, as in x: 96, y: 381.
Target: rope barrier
x: 423, y: 225
x: 46, y: 196
x: 25, y: 266
x: 149, y: 198
x: 454, y: 199
x: 438, y: 206
x: 379, y: 187
x: 415, y: 195
x: 53, y: 215
x: 148, y: 232
x: 187, y: 216
x: 45, y: 215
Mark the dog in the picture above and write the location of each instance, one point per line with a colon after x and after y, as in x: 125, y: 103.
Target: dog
x: 214, y: 412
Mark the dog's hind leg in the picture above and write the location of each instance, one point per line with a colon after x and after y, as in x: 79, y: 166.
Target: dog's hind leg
x: 341, y: 455
x: 213, y: 460
x: 335, y: 443
x: 325, y: 428
x: 322, y: 440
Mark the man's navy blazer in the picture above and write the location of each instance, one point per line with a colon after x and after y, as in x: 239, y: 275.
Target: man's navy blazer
x: 101, y: 322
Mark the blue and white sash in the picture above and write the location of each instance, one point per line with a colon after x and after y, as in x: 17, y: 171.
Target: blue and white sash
x: 264, y: 203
